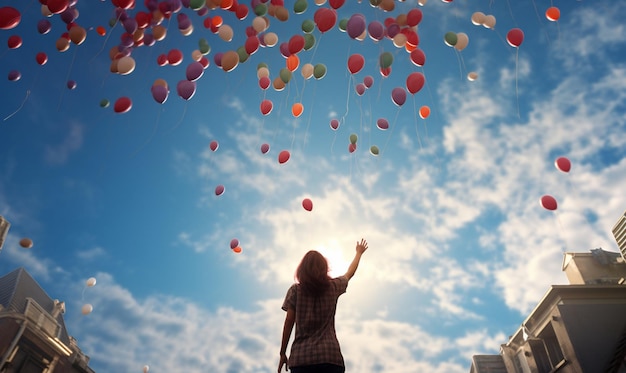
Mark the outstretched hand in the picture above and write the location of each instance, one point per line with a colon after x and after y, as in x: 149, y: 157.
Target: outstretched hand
x: 361, y: 246
x: 283, y: 362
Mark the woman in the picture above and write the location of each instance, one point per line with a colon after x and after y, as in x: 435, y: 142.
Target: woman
x: 310, y: 304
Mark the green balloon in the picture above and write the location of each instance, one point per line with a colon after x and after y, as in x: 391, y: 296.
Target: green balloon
x: 243, y: 55
x: 375, y: 3
x: 285, y: 75
x: 343, y: 24
x: 260, y: 10
x: 450, y: 38
x: 309, y: 41
x: 308, y: 26
x: 262, y: 64
x: 104, y: 103
x: 300, y: 6
x: 112, y: 22
x: 386, y: 59
x: 319, y: 71
x: 197, y: 4
x: 353, y: 138
x: 374, y: 150
x: 204, y: 46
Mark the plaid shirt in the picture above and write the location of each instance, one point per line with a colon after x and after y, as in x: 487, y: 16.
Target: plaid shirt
x: 315, y: 341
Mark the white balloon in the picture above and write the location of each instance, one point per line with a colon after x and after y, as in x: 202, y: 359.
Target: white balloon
x: 472, y: 76
x: 146, y: 369
x: 87, y: 308
x: 91, y: 281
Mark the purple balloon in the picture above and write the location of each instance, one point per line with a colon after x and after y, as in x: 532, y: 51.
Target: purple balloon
x: 202, y: 11
x: 183, y: 21
x: 186, y: 3
x: 175, y: 5
x: 130, y: 25
x: 68, y: 15
x: 376, y: 30
x: 148, y: 40
x: 194, y: 71
x: 71, y: 84
x: 44, y: 26
x: 14, y: 75
x: 284, y: 49
x: 234, y: 243
x: 393, y: 30
x: 398, y: 96
x: 217, y: 58
x: 382, y: 124
x: 159, y: 93
x: 368, y: 81
x: 360, y: 89
x: 356, y: 25
x: 186, y: 89
x: 265, y: 148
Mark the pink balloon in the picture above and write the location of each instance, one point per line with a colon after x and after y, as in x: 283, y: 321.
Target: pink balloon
x: 360, y: 89
x: 265, y: 148
x: 159, y: 93
x: 219, y: 190
x: 368, y: 81
x: 376, y: 30
x: 563, y: 164
x: 548, y: 202
x: 213, y: 145
x: 194, y: 71
x: 186, y: 89
x: 382, y: 124
x: 334, y: 124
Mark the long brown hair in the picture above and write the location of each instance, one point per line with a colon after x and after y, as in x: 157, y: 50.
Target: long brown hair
x: 312, y: 273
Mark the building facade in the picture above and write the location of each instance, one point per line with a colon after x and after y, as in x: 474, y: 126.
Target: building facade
x: 33, y: 336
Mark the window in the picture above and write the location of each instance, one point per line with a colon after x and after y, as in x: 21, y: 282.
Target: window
x: 547, y: 351
x: 521, y: 364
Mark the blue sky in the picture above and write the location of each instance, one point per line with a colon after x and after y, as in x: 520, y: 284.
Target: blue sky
x: 460, y: 248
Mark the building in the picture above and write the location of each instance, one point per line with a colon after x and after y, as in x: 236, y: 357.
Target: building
x: 619, y: 232
x: 575, y: 328
x: 33, y: 337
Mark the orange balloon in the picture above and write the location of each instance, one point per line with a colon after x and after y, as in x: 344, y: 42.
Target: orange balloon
x: 237, y: 249
x: 217, y: 21
x: 101, y: 30
x: 26, y: 243
x: 293, y: 62
x: 297, y: 109
x: 553, y: 13
x: 424, y: 112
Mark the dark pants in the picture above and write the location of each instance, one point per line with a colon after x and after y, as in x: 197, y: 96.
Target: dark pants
x: 318, y: 368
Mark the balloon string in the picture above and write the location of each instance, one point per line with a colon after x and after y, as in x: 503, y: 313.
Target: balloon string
x: 516, y: 94
x: 415, y: 118
x: 21, y: 106
x: 106, y: 39
x: 67, y: 76
x: 154, y: 130
x: 393, y: 126
x: 181, y: 118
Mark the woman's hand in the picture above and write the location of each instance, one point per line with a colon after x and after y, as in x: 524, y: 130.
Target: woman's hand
x: 361, y: 246
x: 283, y: 361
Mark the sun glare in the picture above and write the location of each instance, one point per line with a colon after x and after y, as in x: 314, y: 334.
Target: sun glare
x: 337, y: 263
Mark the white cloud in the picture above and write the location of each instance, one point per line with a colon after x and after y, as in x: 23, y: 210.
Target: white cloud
x: 73, y: 141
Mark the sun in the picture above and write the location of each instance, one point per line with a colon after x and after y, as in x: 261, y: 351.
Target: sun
x: 337, y: 263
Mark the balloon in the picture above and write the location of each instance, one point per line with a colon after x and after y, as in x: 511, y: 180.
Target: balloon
x: 91, y: 281
x: 360, y: 89
x: 283, y: 156
x: 418, y: 57
x: 104, y: 103
x: 355, y: 63
x: 297, y: 109
x: 265, y: 148
x: 237, y: 250
x: 86, y: 309
x: 300, y: 6
x: 385, y: 59
x: 186, y: 89
x: 14, y: 75
x: 413, y: 17
x: 336, y: 4
x: 382, y: 124
x: 450, y: 38
x: 219, y: 190
x: 374, y: 150
x: 415, y: 82
x: 376, y: 30
x: 266, y: 107
x: 368, y: 81
x: 307, y: 71
x: 515, y: 37
x: 461, y: 41
x: 478, y: 18
x: 351, y: 148
x: 319, y: 71
x: 159, y: 93
x: 26, y: 243
x: 125, y: 65
x: 230, y: 60
x: 293, y: 62
x: 194, y: 71
x: 264, y: 82
x: 553, y: 14
x: 14, y: 42
x: 213, y: 145
x: 174, y: 57
x: 234, y: 243
x: 122, y: 105
x: 356, y: 25
x: 296, y: 44
x: 353, y: 138
x: 226, y: 33
x: 9, y: 17
x: 71, y: 84
x: 398, y: 96
x: 548, y: 202
x: 424, y: 112
x: 307, y: 204
x: 44, y: 26
x: 146, y: 368
x: 325, y: 19
x: 489, y: 21
x: 334, y: 124
x: 563, y: 164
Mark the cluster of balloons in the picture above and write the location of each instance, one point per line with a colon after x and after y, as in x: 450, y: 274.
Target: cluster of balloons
x: 235, y: 246
x: 547, y: 201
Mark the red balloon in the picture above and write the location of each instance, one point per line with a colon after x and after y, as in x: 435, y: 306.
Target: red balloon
x: 336, y: 4
x: 122, y: 105
x: 413, y: 17
x: 41, y: 58
x: 57, y: 6
x: 219, y: 190
x: 563, y: 164
x: 296, y: 44
x: 307, y: 204
x: 515, y: 37
x: 283, y: 156
x: 334, y: 124
x: 415, y: 82
x: 266, y: 107
x: 351, y: 148
x: 325, y: 19
x: 252, y: 44
x: 264, y: 82
x: 355, y: 63
x: 174, y: 57
x: 9, y: 17
x: 418, y: 57
x: 14, y: 42
x: 548, y: 202
x: 213, y: 145
x: 382, y: 124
